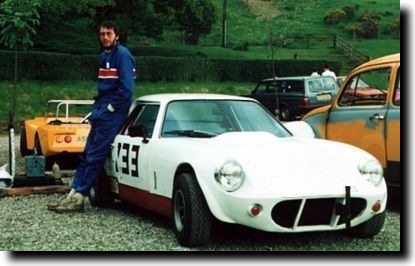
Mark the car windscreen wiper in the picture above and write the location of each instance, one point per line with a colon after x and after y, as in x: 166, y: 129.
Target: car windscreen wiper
x: 191, y: 133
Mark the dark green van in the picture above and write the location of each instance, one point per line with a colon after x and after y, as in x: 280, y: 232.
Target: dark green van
x: 295, y: 96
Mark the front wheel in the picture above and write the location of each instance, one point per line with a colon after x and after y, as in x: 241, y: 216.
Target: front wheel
x: 369, y: 228
x: 192, y: 220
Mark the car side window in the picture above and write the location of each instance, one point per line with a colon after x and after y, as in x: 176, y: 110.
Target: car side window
x: 147, y: 117
x: 292, y: 86
x: 366, y: 88
x: 272, y: 86
x: 262, y: 88
x: 143, y: 114
x: 397, y: 93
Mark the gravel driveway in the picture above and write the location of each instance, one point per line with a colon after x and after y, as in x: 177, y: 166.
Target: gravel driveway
x: 26, y: 225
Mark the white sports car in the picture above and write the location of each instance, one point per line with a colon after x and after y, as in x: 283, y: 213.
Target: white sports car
x: 199, y: 157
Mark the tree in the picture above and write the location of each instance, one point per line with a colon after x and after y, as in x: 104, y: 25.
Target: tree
x: 150, y: 17
x: 354, y: 27
x: 17, y: 23
x: 395, y: 27
x: 195, y: 18
x: 369, y: 22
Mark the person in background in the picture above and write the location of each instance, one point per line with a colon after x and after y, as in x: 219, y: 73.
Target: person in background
x: 314, y: 73
x: 115, y: 89
x: 328, y: 72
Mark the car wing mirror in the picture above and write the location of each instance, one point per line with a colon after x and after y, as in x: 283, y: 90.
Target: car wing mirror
x: 300, y: 129
x: 138, y: 130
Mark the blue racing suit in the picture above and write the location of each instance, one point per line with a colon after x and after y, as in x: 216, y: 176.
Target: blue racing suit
x: 111, y: 106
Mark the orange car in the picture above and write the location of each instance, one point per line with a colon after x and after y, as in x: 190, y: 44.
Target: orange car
x: 366, y: 113
x: 63, y: 129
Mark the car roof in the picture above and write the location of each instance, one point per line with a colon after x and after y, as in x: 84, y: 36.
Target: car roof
x: 168, y: 97
x: 296, y: 78
x: 382, y: 60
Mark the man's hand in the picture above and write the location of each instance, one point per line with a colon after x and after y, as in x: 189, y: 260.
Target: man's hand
x: 110, y: 108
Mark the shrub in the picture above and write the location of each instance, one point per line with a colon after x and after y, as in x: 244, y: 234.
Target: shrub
x: 53, y: 66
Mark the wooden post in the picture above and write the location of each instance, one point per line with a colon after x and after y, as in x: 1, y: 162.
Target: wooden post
x: 23, y: 191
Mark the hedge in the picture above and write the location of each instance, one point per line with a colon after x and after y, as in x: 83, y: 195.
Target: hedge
x: 56, y: 66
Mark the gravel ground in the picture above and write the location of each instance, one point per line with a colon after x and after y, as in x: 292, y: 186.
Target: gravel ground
x: 26, y: 225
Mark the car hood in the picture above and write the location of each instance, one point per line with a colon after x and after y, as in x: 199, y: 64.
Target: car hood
x: 297, y: 163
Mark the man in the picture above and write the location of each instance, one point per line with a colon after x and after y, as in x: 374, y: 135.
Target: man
x: 328, y: 72
x: 115, y: 90
x: 314, y: 73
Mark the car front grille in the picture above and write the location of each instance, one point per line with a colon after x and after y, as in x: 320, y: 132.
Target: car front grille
x: 308, y: 212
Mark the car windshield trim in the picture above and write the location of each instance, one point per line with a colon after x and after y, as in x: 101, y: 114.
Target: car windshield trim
x: 209, y: 118
x: 191, y: 133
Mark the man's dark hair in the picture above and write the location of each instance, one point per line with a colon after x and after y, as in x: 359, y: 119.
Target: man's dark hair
x: 109, y: 25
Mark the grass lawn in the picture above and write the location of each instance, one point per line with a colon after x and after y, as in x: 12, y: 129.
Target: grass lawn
x: 31, y: 96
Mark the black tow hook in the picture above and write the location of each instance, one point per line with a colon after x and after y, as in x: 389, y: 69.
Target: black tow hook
x: 348, y: 207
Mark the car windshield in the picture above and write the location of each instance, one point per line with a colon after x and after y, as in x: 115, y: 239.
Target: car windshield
x: 322, y: 84
x: 209, y: 118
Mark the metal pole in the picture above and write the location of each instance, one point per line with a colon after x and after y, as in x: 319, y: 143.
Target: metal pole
x: 224, y: 24
x: 15, y: 82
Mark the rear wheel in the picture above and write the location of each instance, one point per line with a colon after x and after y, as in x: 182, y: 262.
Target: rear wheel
x: 101, y: 194
x: 38, y: 148
x: 192, y: 220
x: 24, y: 151
x: 285, y: 113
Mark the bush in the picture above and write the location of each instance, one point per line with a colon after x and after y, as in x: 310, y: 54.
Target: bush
x: 53, y: 66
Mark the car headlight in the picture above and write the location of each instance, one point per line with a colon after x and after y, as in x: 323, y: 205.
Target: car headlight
x: 372, y: 170
x: 230, y: 176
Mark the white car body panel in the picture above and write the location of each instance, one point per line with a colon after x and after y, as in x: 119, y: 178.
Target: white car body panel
x: 276, y: 169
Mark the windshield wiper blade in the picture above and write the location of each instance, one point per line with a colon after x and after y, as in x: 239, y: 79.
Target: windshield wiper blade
x: 192, y: 133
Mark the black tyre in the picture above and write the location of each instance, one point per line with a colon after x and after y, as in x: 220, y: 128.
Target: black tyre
x: 24, y: 151
x: 285, y: 113
x: 369, y: 228
x: 101, y: 194
x: 38, y: 147
x: 192, y: 221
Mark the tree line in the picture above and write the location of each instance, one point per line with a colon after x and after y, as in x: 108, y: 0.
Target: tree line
x: 20, y: 20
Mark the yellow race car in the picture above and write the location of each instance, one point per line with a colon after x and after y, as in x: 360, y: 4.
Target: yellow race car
x: 62, y: 131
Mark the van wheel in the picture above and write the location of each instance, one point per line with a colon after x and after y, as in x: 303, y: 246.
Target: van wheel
x: 285, y: 113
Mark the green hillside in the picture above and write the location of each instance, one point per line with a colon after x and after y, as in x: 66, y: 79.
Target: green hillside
x: 251, y: 26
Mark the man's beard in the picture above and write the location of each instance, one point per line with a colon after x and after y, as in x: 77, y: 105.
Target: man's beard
x: 109, y: 47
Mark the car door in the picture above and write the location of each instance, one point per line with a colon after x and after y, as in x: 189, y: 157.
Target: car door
x: 359, y: 116
x: 129, y: 155
x: 393, y: 133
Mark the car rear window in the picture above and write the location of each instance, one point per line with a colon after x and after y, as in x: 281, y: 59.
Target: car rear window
x: 321, y: 84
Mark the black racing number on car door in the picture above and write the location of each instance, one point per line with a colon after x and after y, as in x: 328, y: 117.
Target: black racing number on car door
x: 134, y: 160
x: 128, y: 159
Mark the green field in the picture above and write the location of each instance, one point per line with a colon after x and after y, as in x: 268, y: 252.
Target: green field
x: 251, y: 23
x: 31, y: 96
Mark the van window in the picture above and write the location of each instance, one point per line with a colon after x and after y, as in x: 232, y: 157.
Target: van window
x: 292, y: 86
x: 265, y: 87
x: 367, y: 88
x: 321, y: 84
